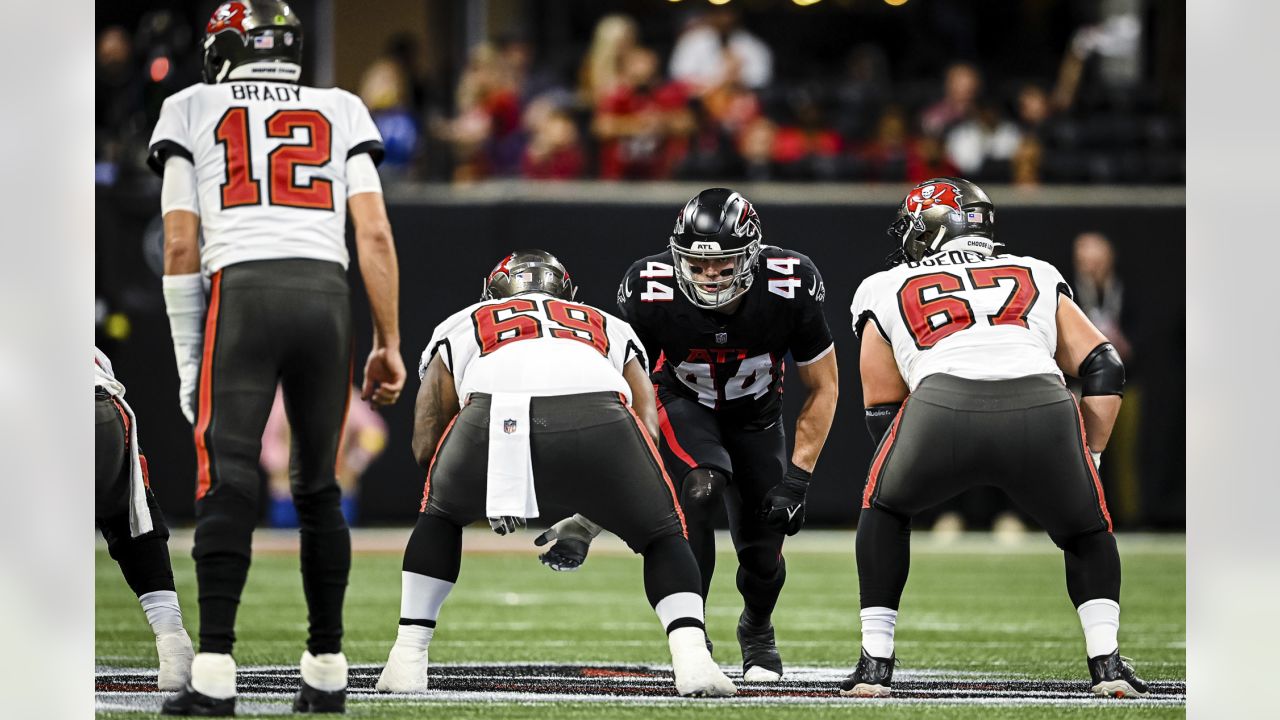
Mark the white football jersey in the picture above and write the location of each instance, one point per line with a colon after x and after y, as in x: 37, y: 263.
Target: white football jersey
x: 270, y: 162
x: 534, y: 343
x: 964, y: 314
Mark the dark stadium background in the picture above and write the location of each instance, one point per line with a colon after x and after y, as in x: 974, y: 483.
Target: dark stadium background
x: 1117, y: 152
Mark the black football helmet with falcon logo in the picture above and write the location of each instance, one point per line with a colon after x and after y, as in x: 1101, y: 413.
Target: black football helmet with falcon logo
x: 253, y: 40
x: 717, y: 224
x: 939, y: 211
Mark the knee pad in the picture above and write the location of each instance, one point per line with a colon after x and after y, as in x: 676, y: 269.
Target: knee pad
x: 702, y: 489
x: 761, y: 559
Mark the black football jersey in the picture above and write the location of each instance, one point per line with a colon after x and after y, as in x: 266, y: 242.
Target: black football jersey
x: 732, y: 363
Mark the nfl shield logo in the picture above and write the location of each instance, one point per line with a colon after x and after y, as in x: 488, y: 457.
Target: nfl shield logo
x: 508, y: 426
x: 722, y: 338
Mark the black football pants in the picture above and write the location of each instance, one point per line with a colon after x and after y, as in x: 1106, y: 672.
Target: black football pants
x: 143, y: 560
x: 269, y: 322
x: 1024, y: 436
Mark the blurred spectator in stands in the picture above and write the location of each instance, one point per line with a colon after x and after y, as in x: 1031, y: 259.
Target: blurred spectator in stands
x: 1034, y: 110
x: 488, y: 113
x: 1098, y: 290
x: 118, y: 100
x: 928, y: 159
x: 644, y: 124
x: 520, y: 57
x: 715, y: 49
x: 553, y: 151
x: 712, y: 153
x: 385, y: 89
x: 756, y: 146
x: 404, y: 50
x: 808, y: 149
x: 1025, y: 167
x: 982, y: 145
x: 364, y: 437
x: 601, y: 69
x: 885, y: 157
x: 961, y: 87
x: 863, y: 91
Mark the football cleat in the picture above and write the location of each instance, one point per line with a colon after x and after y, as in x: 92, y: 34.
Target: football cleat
x: 697, y: 675
x: 760, y: 659
x: 405, y: 672
x: 211, y: 692
x: 873, y: 677
x: 324, y: 684
x: 1113, y: 676
x: 176, y: 653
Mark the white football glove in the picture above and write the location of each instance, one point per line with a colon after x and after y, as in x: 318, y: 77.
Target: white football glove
x: 573, y: 536
x: 184, y: 302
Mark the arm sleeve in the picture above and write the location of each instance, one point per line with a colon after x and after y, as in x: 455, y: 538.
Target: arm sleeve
x: 170, y: 137
x: 811, y: 338
x: 365, y: 138
x: 178, y: 190
x: 362, y: 175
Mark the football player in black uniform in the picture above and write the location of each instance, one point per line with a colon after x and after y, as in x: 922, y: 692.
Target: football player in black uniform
x: 721, y: 310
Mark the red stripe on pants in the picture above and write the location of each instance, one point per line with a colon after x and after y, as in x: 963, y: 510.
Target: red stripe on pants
x: 874, y: 476
x: 657, y: 458
x: 205, y: 393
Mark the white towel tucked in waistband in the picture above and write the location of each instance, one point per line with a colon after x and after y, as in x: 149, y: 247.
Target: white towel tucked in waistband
x: 510, y: 487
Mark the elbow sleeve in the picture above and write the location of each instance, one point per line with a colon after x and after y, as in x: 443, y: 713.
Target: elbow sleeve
x: 178, y: 191
x: 1102, y: 372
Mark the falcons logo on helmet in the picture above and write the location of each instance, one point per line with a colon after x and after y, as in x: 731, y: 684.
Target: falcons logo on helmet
x: 933, y: 195
x: 228, y: 16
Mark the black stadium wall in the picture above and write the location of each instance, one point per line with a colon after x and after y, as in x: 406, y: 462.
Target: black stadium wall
x: 449, y: 239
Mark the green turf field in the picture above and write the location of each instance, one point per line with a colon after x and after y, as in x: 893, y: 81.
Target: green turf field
x: 975, y: 606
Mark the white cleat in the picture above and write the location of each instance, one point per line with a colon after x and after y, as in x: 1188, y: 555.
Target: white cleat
x: 697, y: 674
x: 757, y: 674
x: 405, y: 672
x: 176, y: 653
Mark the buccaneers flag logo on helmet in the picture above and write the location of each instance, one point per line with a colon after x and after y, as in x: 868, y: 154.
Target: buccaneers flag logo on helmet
x: 928, y: 196
x: 228, y: 16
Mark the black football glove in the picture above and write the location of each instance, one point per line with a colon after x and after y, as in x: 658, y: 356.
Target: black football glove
x: 506, y: 524
x: 783, y: 509
x: 573, y: 536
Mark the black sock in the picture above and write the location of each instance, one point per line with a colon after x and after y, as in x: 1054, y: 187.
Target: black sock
x: 434, y: 549
x: 884, y: 557
x: 1093, y: 567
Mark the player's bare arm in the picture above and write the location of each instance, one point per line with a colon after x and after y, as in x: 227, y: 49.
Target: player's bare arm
x: 384, y: 371
x: 882, y: 384
x: 436, y: 405
x: 642, y: 396
x: 822, y: 379
x: 181, y: 242
x: 1083, y: 351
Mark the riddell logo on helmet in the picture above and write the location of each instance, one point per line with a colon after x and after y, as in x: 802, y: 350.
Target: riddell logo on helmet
x: 228, y: 16
x: 934, y: 195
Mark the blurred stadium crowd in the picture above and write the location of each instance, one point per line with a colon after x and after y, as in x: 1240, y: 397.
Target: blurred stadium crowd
x: 715, y: 92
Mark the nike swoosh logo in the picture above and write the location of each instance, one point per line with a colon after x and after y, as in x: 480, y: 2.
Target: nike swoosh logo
x: 791, y: 512
x: 813, y: 291
x: 626, y: 287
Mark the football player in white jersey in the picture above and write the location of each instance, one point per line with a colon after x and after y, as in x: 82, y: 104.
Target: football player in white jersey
x: 126, y: 513
x: 529, y: 398
x: 962, y: 361
x: 265, y: 171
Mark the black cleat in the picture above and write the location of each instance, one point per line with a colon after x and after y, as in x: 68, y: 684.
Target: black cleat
x: 760, y: 659
x: 191, y: 703
x: 873, y: 677
x: 311, y: 700
x: 1113, y: 676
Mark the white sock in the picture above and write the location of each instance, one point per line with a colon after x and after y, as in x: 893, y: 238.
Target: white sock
x: 214, y: 674
x: 877, y: 631
x: 422, y: 595
x: 163, y: 611
x: 1101, y: 622
x: 326, y: 672
x: 679, y: 605
x: 414, y: 637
